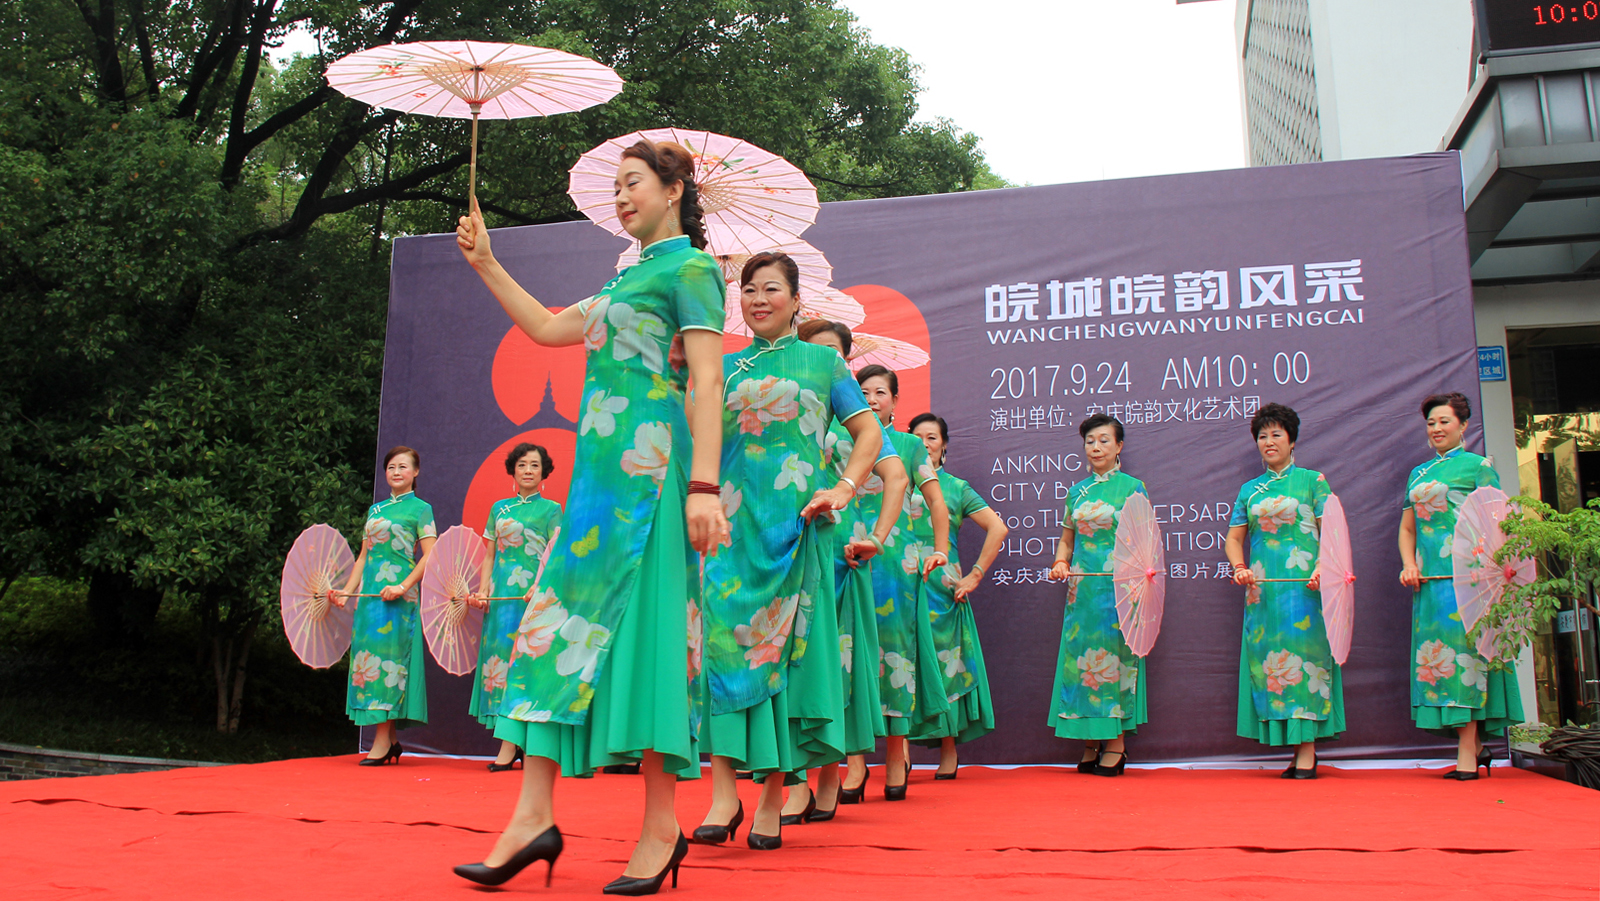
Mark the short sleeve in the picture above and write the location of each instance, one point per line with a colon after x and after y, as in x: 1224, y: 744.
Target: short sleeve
x: 1241, y: 516
x: 425, y: 527
x: 917, y: 467
x: 1486, y: 476
x: 970, y: 501
x: 1138, y: 488
x: 1320, y: 492
x: 845, y: 394
x: 700, y: 296
x: 888, y: 450
x: 493, y: 522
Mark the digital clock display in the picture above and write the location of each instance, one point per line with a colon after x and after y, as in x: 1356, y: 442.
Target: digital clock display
x: 1508, y: 25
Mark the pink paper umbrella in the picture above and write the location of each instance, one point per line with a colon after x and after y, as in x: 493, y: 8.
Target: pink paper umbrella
x: 473, y: 79
x: 451, y: 625
x: 1139, y: 572
x: 892, y: 353
x: 1479, y: 581
x: 1338, y: 579
x: 753, y: 199
x: 318, y: 631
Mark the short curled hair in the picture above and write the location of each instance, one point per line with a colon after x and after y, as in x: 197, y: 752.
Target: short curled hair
x: 920, y: 418
x: 873, y: 371
x: 546, y: 465
x: 1455, y: 400
x: 1098, y: 420
x: 811, y: 328
x: 1278, y: 415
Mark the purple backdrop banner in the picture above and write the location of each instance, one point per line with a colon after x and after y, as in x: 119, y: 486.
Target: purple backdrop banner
x: 1178, y: 303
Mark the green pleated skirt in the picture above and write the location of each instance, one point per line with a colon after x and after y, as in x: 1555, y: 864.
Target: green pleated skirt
x: 863, y: 705
x: 413, y: 707
x: 1286, y: 732
x: 642, y: 700
x: 970, y: 714
x: 1100, y: 728
x: 1503, y: 708
x: 932, y: 703
x: 803, y: 725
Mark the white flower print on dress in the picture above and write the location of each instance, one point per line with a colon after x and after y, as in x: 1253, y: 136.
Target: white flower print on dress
x: 1435, y: 660
x: 814, y: 419
x: 732, y: 499
x: 594, y: 323
x: 901, y: 671
x: 1282, y: 669
x: 912, y: 561
x: 652, y: 449
x: 1130, y: 678
x: 388, y: 572
x: 953, y: 664
x: 377, y: 531
x: 493, y: 673
x: 1428, y: 498
x: 520, y: 577
x: 524, y: 712
x: 583, y: 654
x: 364, y: 668
x: 914, y: 504
x: 638, y: 334
x: 1274, y: 512
x: 793, y: 471
x: 394, y: 675
x: 697, y: 638
x: 1318, y: 680
x: 1473, y: 672
x: 1093, y: 517
x: 757, y: 402
x: 1299, y: 558
x: 600, y: 414
x: 541, y: 619
x: 1308, y: 520
x: 768, y: 631
x: 847, y: 646
x: 507, y: 534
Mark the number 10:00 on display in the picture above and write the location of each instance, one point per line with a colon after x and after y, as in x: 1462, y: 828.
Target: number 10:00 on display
x: 1055, y: 380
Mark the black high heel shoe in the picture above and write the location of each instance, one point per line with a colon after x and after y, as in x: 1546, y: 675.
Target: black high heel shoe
x: 1485, y: 760
x: 649, y: 885
x: 819, y: 815
x: 1087, y: 766
x: 546, y: 847
x: 621, y: 769
x: 716, y: 835
x: 944, y: 777
x: 1295, y: 773
x: 855, y: 795
x: 759, y: 842
x: 393, y: 753
x: 502, y: 767
x: 895, y: 792
x: 804, y: 816
x: 1101, y: 769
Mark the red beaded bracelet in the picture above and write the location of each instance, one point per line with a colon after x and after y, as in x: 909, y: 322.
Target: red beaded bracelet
x: 704, y: 488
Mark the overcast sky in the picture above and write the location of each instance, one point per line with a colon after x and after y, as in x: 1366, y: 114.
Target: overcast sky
x: 1068, y: 90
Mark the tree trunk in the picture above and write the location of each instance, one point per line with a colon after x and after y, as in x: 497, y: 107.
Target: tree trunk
x: 236, y: 704
x: 230, y: 658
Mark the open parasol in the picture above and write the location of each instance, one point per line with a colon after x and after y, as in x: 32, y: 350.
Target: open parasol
x: 892, y: 353
x: 451, y: 625
x: 1338, y: 579
x: 1139, y: 572
x: 1479, y: 581
x: 753, y: 199
x: 472, y: 79
x: 318, y: 631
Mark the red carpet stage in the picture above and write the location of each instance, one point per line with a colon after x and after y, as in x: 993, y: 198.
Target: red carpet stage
x: 323, y: 828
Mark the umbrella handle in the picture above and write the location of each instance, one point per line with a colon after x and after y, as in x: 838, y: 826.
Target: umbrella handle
x: 472, y: 167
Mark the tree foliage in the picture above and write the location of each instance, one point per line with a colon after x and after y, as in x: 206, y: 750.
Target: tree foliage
x: 1567, y: 547
x: 193, y: 248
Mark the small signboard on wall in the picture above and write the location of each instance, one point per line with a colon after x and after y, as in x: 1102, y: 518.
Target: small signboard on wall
x: 1491, y: 364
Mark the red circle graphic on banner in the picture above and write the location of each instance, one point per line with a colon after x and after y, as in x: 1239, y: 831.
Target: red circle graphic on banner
x: 522, y: 369
x: 893, y: 315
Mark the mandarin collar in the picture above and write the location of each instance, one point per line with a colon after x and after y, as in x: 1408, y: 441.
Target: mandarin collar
x: 529, y: 499
x: 1275, y: 476
x: 1452, y: 451
x: 778, y: 343
x: 664, y: 246
x: 1106, y: 476
x: 397, y: 498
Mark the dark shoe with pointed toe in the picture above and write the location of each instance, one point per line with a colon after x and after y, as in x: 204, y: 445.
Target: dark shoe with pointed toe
x: 649, y: 885
x: 804, y: 816
x: 546, y: 847
x: 502, y: 767
x: 1100, y: 769
x: 759, y: 842
x: 716, y: 835
x: 393, y: 754
x: 855, y: 795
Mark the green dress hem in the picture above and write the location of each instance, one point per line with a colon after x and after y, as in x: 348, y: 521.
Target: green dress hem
x: 413, y: 710
x: 1287, y: 732
x: 1504, y: 708
x: 1101, y: 728
x: 970, y: 715
x: 641, y: 701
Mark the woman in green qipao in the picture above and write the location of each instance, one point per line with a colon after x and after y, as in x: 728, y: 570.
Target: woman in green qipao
x: 949, y: 615
x: 386, y: 649
x: 773, y: 684
x: 601, y: 669
x: 1453, y: 689
x: 515, y: 536
x: 855, y: 545
x: 1100, y: 683
x: 1290, y: 688
x: 909, y: 681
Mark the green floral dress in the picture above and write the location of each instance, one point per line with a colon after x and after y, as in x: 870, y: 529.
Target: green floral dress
x: 601, y: 668
x: 909, y: 682
x: 386, y: 647
x: 520, y: 527
x: 775, y: 690
x: 858, y: 623
x: 1290, y: 689
x: 1450, y: 684
x: 1100, y: 683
